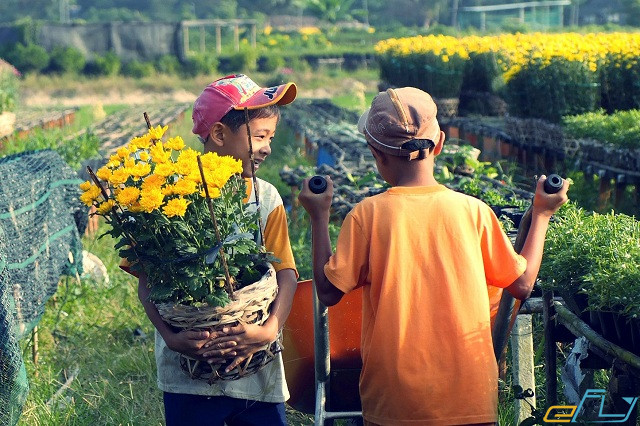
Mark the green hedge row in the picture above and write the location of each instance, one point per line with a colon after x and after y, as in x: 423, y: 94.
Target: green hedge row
x: 32, y: 58
x: 538, y: 90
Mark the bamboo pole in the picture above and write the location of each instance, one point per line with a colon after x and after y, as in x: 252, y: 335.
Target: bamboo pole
x: 253, y: 175
x: 579, y: 328
x: 229, y: 282
x: 548, y: 313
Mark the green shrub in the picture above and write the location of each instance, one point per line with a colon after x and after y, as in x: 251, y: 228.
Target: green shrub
x: 270, y: 62
x: 108, y: 65
x: 594, y: 254
x: 137, y: 69
x: 550, y: 91
x: 167, y: 64
x: 200, y: 64
x: 66, y: 60
x: 481, y: 72
x: 621, y: 128
x: 243, y: 61
x: 440, y: 76
x: 28, y: 58
x: 74, y: 150
x: 620, y: 80
x: 8, y: 90
x: 297, y: 63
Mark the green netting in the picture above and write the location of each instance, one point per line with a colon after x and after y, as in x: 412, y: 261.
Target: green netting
x: 535, y: 18
x: 41, y: 223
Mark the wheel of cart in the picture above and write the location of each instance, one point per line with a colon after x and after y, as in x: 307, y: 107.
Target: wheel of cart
x: 322, y: 368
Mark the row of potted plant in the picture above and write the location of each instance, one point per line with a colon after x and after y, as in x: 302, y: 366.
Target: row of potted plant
x: 540, y: 75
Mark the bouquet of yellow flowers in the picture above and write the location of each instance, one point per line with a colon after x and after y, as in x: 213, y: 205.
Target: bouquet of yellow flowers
x: 180, y: 217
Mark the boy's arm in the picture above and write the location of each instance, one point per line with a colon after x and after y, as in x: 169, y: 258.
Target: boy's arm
x: 321, y: 249
x: 544, y: 206
x: 244, y: 340
x: 318, y: 205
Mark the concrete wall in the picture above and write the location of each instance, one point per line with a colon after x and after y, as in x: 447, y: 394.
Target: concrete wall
x: 129, y: 40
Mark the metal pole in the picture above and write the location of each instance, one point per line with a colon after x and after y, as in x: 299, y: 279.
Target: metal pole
x: 321, y: 357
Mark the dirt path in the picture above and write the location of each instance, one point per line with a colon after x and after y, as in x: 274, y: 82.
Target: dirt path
x: 67, y: 93
x: 42, y: 98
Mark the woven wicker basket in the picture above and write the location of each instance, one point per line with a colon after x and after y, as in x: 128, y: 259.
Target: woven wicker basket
x: 250, y: 306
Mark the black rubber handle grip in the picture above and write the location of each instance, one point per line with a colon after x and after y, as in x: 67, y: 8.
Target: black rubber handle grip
x: 317, y: 184
x: 553, y: 184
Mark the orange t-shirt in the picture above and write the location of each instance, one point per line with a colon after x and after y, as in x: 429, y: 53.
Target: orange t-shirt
x: 425, y: 256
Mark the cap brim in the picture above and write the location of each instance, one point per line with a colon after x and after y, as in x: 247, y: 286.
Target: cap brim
x: 276, y: 95
x: 363, y: 121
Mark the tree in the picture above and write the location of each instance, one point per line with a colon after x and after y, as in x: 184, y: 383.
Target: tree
x: 330, y: 10
x: 632, y: 9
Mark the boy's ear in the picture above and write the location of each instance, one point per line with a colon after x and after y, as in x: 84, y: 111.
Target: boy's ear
x: 439, y: 144
x: 217, y: 134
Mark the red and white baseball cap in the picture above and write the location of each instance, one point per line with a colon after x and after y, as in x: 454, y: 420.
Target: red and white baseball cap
x: 238, y: 92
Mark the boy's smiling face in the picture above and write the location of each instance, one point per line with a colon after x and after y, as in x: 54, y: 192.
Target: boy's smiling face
x: 224, y: 141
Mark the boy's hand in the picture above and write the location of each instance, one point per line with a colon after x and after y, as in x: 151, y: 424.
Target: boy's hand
x: 237, y: 342
x: 188, y: 342
x: 316, y: 205
x: 547, y: 204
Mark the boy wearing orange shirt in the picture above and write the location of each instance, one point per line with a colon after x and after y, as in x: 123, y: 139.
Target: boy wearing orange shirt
x: 424, y: 255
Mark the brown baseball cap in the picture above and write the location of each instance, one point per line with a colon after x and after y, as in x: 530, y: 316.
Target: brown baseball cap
x: 401, y: 122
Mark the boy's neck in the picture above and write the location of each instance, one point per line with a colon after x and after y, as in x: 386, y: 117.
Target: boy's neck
x: 412, y: 173
x: 419, y: 180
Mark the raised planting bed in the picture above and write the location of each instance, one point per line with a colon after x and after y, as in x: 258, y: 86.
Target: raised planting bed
x: 118, y: 129
x: 27, y: 121
x: 332, y: 142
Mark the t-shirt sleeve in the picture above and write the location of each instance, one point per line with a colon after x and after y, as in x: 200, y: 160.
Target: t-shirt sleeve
x: 125, y: 265
x: 347, y: 268
x: 276, y: 239
x: 502, y: 264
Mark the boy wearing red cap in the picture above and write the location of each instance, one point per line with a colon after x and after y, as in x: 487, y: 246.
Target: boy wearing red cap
x: 258, y: 399
x: 424, y: 256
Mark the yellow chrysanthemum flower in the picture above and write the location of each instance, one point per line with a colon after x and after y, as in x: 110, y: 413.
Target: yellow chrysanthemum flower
x: 164, y: 169
x: 153, y: 181
x: 140, y: 170
x: 184, y: 187
x: 123, y: 152
x: 144, y: 156
x: 136, y: 208
x: 176, y: 207
x: 85, y: 185
x: 105, y: 207
x: 128, y: 196
x: 104, y: 173
x: 167, y: 190
x: 175, y: 143
x: 158, y: 154
x: 213, y: 192
x: 119, y: 176
x: 151, y: 200
x: 157, y: 132
x: 90, y: 195
x: 187, y: 162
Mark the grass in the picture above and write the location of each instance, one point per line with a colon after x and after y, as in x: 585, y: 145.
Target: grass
x: 102, y: 331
